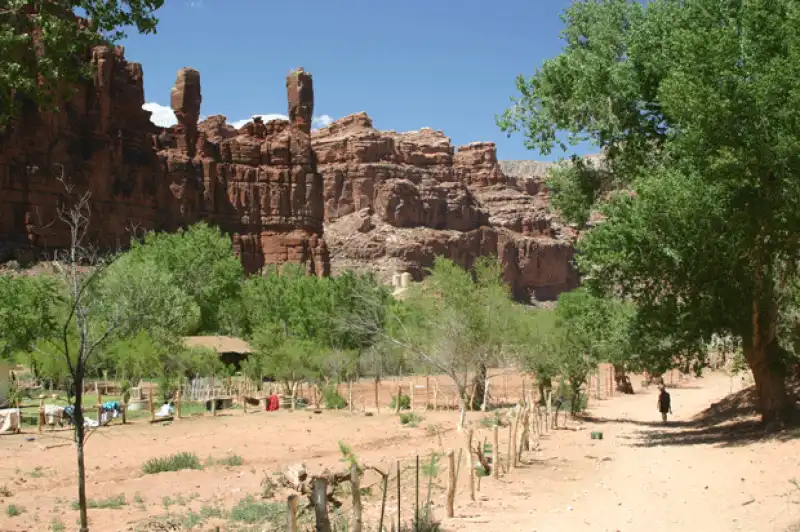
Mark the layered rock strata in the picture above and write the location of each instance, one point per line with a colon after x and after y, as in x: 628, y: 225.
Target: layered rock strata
x: 395, y: 201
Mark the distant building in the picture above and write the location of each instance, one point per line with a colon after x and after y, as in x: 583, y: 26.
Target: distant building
x: 232, y: 351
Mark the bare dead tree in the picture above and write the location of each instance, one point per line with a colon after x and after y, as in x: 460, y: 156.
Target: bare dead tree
x: 80, y: 266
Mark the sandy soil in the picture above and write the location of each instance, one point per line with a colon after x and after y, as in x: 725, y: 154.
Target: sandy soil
x: 642, y: 475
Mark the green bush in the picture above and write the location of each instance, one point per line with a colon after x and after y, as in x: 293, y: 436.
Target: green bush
x: 114, y: 503
x: 405, y: 402
x: 253, y: 512
x: 410, y: 419
x: 175, y: 462
x: 332, y: 399
x: 13, y: 510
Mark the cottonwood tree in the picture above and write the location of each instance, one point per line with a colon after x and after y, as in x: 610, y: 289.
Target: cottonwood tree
x: 696, y: 108
x: 43, y: 45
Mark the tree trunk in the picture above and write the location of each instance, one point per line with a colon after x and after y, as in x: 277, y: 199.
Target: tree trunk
x: 479, y: 384
x: 770, y: 377
x: 462, y: 413
x: 79, y: 441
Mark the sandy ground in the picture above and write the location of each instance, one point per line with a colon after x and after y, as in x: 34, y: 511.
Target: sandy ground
x: 642, y: 475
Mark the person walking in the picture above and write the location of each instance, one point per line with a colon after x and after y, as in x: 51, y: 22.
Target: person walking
x: 664, y: 404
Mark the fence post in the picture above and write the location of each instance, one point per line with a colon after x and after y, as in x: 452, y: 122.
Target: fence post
x: 150, y: 405
x: 40, y: 421
x: 350, y: 394
x: 398, y: 492
x: 470, y: 465
x: 416, y: 499
x: 518, y: 414
x: 177, y: 400
x: 411, y: 394
x: 355, y: 480
x: 213, y: 398
x: 291, y: 504
x: 451, y: 483
x: 320, y: 498
x: 99, y: 404
x: 496, y: 452
x: 383, y: 500
x: 124, y: 410
x: 397, y: 401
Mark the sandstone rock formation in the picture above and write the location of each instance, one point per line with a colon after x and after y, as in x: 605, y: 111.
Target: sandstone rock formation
x: 259, y: 184
x: 389, y: 201
x: 394, y: 201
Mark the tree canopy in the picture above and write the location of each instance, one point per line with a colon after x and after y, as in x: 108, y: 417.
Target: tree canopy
x: 44, y: 45
x: 695, y: 107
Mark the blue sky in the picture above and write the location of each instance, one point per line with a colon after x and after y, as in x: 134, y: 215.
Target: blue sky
x: 409, y: 64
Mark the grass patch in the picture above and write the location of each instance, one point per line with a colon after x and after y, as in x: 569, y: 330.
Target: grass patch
x: 109, y: 503
x: 5, y: 491
x: 193, y: 519
x: 13, y: 510
x: 232, y: 460
x: 253, y: 512
x: 410, y: 419
x: 175, y: 462
x: 37, y: 472
x: 57, y: 526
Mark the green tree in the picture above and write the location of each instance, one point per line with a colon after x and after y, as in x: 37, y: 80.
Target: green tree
x: 28, y: 307
x: 42, y: 43
x: 695, y: 106
x: 201, y: 263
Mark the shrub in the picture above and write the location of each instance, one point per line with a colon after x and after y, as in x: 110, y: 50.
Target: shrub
x: 13, y: 510
x: 410, y: 419
x: 116, y: 502
x: 233, y: 460
x: 405, y: 402
x: 253, y: 512
x: 332, y: 399
x: 175, y: 462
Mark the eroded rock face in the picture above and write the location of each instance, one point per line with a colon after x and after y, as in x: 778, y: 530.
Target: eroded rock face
x: 394, y: 201
x: 259, y: 184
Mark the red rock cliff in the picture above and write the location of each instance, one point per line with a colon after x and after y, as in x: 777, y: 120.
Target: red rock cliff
x: 259, y: 184
x: 394, y: 201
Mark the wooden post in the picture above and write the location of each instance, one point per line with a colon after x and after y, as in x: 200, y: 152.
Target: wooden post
x: 436, y: 396
x: 496, y: 452
x: 416, y: 498
x: 150, y: 404
x: 320, y: 498
x: 505, y: 387
x: 41, y: 413
x: 411, y: 394
x: 350, y: 394
x: 177, y: 400
x: 377, y: 402
x: 355, y: 481
x: 99, y: 403
x: 124, y: 410
x: 427, y: 392
x: 451, y: 483
x: 514, y: 440
x: 291, y: 504
x: 383, y: 500
x: 213, y: 398
x: 470, y: 465
x: 398, y: 496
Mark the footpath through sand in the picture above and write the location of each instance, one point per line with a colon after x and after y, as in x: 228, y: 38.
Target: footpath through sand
x: 645, y: 476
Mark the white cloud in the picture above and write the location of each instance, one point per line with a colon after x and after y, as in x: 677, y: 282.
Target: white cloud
x: 265, y: 118
x: 162, y: 115
x: 321, y: 121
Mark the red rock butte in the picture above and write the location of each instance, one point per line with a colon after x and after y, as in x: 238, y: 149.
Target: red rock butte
x: 379, y: 200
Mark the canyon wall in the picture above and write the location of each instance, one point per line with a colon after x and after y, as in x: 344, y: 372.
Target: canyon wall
x: 378, y: 200
x: 259, y: 184
x: 394, y: 201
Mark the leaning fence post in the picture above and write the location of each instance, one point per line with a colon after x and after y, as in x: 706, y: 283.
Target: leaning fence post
x: 416, y: 499
x: 355, y: 481
x: 383, y: 500
x: 41, y: 413
x: 471, y: 465
x: 150, y: 405
x: 291, y: 504
x: 451, y: 483
x: 320, y: 498
x: 399, y: 395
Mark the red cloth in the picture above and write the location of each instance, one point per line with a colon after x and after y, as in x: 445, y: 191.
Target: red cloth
x: 273, y: 404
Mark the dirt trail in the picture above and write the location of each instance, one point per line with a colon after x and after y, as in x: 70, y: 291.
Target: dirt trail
x: 644, y: 475
x: 641, y: 476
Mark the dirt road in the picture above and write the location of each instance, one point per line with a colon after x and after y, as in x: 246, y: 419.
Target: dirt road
x: 641, y: 476
x: 644, y: 476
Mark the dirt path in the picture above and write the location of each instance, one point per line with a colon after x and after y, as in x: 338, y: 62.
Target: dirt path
x: 643, y: 475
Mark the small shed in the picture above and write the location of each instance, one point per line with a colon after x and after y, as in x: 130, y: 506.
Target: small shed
x: 232, y: 351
